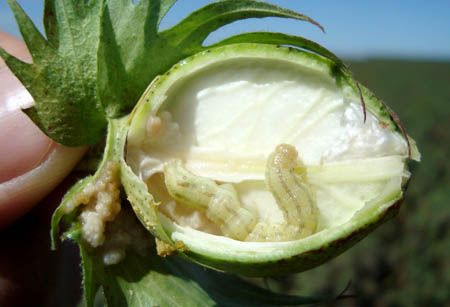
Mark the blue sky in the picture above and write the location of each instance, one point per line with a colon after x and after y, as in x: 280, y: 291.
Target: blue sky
x: 354, y: 29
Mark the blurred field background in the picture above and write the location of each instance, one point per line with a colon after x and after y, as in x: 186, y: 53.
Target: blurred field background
x: 406, y: 262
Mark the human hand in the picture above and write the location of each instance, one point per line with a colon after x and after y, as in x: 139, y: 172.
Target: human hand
x: 31, y: 165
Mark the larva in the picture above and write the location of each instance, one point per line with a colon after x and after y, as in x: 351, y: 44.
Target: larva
x: 293, y: 196
x: 223, y: 207
x: 221, y: 202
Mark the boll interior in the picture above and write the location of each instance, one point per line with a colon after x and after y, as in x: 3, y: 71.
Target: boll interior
x: 223, y: 115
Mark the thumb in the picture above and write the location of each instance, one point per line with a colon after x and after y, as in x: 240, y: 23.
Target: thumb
x: 31, y: 165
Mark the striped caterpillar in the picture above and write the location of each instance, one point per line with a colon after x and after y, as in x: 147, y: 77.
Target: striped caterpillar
x: 222, y: 206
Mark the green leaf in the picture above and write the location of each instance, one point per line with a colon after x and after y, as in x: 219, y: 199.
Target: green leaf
x: 280, y: 39
x: 126, y: 54
x: 141, y: 281
x: 193, y: 30
x: 62, y: 77
x: 164, y: 8
x: 30, y: 33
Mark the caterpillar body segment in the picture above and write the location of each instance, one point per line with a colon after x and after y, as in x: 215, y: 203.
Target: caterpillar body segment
x: 221, y: 202
x: 292, y: 192
x: 273, y: 232
x: 187, y: 188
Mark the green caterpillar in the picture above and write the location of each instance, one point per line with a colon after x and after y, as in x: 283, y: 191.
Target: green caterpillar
x: 223, y: 207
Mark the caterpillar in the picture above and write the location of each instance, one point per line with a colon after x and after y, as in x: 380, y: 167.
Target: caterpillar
x: 221, y: 202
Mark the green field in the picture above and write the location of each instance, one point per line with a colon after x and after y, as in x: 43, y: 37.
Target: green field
x: 406, y: 262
